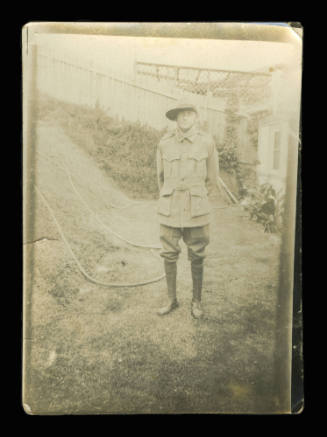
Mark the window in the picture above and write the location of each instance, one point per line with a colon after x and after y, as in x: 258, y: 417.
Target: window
x: 276, y: 150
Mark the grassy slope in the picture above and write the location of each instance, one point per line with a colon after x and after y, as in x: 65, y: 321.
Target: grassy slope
x: 126, y: 151
x: 100, y: 350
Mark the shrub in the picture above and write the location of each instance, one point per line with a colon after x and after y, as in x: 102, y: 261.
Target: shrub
x: 128, y: 152
x: 265, y: 206
x: 228, y: 159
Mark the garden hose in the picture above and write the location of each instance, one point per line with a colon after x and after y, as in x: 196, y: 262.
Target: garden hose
x: 112, y: 205
x: 103, y: 224
x: 80, y: 267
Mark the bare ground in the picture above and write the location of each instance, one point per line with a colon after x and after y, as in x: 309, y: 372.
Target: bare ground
x: 92, y: 350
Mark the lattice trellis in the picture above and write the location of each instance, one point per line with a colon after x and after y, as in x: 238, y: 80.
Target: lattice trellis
x: 249, y: 86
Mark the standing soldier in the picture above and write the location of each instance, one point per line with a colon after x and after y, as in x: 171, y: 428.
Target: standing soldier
x: 187, y: 169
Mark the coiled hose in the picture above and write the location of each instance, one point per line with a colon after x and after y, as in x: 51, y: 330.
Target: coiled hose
x: 80, y: 267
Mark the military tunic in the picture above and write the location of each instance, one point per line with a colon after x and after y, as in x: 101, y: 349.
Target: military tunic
x: 187, y: 169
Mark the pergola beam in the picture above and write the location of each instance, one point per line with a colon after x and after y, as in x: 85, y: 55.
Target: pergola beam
x: 251, y: 73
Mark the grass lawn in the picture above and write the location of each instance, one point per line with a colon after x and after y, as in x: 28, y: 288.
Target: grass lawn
x: 91, y: 349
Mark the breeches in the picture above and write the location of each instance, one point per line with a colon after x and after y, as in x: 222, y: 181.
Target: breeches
x: 196, y: 240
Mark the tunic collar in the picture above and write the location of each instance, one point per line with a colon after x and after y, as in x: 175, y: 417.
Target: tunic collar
x: 189, y: 135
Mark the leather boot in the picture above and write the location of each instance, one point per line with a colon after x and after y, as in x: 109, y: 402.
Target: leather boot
x: 197, y: 278
x: 171, y: 273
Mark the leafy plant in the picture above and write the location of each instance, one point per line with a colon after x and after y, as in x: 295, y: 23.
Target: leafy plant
x: 228, y: 159
x: 265, y: 206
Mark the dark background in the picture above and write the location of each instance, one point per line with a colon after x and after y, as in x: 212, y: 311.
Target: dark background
x: 17, y: 190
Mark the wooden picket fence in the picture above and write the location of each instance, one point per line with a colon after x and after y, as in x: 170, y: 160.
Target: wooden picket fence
x: 120, y: 97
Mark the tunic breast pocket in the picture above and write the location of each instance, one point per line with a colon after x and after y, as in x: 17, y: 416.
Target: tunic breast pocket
x: 171, y: 161
x: 198, y: 163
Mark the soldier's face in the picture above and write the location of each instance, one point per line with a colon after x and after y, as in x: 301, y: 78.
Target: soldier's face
x: 186, y: 119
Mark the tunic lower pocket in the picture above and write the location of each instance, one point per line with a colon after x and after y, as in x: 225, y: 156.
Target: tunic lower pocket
x: 199, y: 202
x: 164, y: 206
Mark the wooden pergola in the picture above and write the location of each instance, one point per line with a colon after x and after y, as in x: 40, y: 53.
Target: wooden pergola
x: 202, y: 80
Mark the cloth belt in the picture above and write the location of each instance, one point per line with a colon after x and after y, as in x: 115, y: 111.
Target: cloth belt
x: 185, y: 185
x: 182, y: 187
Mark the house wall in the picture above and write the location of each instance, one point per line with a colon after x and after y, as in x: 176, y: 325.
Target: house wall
x: 265, y: 169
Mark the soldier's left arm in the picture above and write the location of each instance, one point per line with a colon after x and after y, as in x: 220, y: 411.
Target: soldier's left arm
x: 212, y: 169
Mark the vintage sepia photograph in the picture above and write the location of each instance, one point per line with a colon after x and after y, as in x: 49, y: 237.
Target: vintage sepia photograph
x: 160, y: 185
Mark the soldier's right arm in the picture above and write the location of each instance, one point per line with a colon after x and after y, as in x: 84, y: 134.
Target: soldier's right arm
x: 160, y: 169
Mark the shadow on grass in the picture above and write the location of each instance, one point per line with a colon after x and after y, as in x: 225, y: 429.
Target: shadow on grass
x: 123, y: 374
